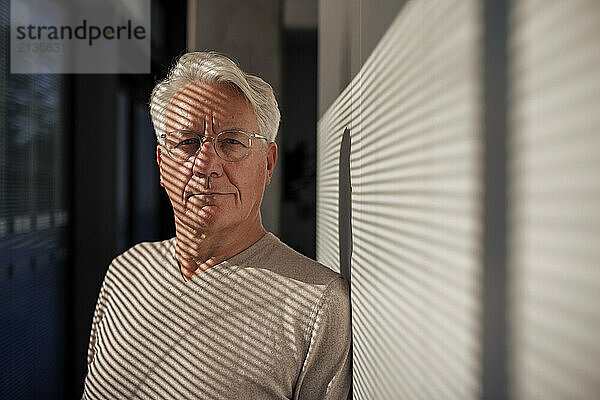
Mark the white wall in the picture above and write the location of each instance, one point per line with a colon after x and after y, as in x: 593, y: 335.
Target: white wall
x: 471, y: 230
x: 554, y: 212
x: 414, y: 119
x: 349, y: 30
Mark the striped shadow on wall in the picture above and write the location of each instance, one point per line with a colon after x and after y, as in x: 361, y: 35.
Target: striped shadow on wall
x: 473, y: 151
x: 554, y: 193
x: 413, y: 117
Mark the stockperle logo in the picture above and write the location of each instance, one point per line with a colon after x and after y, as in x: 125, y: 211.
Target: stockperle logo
x: 80, y: 36
x: 82, y: 32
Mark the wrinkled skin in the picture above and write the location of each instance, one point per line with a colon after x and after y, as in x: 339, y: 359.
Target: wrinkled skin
x: 216, y: 203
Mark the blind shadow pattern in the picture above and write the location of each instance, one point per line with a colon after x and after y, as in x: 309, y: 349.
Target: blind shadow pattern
x: 554, y: 193
x: 33, y: 229
x: 237, y: 330
x: 413, y: 111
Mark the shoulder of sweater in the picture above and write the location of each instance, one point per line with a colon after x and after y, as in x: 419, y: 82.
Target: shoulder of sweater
x: 280, y: 258
x: 144, y: 252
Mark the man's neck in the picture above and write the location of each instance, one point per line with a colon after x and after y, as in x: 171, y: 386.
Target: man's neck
x: 196, y: 251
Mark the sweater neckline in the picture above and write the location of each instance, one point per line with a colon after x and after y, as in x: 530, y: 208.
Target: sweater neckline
x: 217, y: 271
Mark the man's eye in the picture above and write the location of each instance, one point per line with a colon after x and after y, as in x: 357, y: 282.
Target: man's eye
x: 188, y: 142
x: 231, y: 141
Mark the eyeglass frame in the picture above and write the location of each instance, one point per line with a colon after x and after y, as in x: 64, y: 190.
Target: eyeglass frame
x: 203, y: 137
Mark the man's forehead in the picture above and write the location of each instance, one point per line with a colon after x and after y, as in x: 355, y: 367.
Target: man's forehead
x: 197, y: 101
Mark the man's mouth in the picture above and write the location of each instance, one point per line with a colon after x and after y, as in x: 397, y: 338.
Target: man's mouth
x: 207, y: 194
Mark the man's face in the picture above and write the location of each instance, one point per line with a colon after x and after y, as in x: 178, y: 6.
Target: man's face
x: 209, y: 194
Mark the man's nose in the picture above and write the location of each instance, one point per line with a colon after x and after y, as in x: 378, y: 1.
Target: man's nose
x: 207, y: 162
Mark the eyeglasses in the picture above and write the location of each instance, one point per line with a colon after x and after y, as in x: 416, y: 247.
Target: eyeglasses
x: 231, y: 145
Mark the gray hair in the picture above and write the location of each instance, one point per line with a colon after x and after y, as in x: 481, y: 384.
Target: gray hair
x: 214, y: 68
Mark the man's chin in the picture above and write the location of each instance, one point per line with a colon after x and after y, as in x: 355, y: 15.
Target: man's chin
x: 199, y: 217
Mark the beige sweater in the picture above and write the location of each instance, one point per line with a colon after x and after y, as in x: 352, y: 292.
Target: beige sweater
x: 268, y: 323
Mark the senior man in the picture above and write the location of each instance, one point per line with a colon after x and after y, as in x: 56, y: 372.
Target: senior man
x: 224, y: 310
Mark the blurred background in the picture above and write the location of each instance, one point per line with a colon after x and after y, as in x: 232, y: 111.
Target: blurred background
x: 441, y: 155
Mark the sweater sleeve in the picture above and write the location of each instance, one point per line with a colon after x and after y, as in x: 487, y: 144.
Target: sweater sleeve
x: 326, y: 370
x: 98, y: 314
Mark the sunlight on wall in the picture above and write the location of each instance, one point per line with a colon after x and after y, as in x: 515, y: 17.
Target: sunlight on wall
x: 554, y: 219
x: 415, y: 159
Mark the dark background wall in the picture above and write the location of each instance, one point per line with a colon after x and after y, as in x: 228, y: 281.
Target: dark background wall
x: 298, y: 141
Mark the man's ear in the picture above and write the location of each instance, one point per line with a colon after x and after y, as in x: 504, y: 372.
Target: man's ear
x: 271, y: 160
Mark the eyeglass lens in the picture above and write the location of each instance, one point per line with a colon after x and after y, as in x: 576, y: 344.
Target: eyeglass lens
x: 230, y: 145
